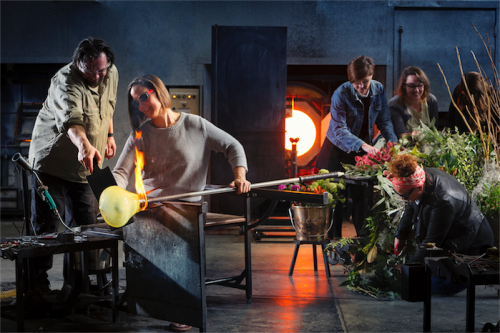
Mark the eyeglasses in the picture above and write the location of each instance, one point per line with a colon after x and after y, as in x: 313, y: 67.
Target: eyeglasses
x: 407, y: 195
x: 91, y: 72
x: 414, y: 86
x: 142, y: 98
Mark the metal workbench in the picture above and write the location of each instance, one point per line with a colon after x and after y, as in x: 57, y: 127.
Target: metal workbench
x: 32, y: 247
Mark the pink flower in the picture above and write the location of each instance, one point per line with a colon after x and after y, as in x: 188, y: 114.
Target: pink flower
x: 366, y: 160
x: 386, y: 157
x: 389, y: 144
x: 281, y: 187
x: 358, y: 158
x: 295, y: 188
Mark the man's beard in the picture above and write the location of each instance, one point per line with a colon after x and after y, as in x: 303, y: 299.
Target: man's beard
x: 94, y: 84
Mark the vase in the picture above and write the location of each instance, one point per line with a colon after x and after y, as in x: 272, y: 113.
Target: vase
x: 311, y: 223
x: 495, y: 227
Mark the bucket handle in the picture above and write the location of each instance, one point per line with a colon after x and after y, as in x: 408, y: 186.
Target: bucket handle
x: 291, y: 219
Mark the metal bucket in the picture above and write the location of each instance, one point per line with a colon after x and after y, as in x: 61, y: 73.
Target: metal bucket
x: 311, y: 223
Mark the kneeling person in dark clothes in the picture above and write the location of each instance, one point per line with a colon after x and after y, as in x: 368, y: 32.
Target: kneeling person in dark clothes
x: 443, y: 213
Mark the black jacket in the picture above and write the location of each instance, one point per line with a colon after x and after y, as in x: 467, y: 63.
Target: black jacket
x: 446, y: 215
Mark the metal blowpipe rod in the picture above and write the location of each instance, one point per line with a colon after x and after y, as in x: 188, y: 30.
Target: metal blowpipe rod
x: 256, y: 185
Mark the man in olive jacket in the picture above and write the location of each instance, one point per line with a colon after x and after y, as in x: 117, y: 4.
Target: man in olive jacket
x: 74, y: 126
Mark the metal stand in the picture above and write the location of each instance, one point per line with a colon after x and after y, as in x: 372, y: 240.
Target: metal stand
x: 323, y: 243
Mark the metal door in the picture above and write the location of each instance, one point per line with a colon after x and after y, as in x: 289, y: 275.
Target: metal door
x: 249, y: 102
x: 426, y: 37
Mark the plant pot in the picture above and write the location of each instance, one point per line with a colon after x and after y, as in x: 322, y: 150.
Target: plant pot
x: 495, y: 227
x: 311, y: 223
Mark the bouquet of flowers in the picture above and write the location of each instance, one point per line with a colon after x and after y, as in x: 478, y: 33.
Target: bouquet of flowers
x: 319, y: 186
x: 370, y: 164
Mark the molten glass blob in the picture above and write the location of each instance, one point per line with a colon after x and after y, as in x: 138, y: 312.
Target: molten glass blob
x: 117, y: 206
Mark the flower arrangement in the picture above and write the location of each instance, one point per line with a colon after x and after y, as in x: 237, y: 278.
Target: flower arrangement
x: 371, y: 270
x: 369, y: 164
x: 328, y: 185
x: 472, y: 158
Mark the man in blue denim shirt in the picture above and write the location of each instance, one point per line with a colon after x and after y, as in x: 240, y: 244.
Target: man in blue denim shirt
x: 356, y: 107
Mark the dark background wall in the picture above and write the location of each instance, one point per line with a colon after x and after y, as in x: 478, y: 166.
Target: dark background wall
x: 172, y: 39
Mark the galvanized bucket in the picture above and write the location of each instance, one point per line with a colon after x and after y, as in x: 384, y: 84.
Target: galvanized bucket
x: 311, y: 223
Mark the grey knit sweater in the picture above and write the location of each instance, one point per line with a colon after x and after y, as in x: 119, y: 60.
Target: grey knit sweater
x: 176, y: 158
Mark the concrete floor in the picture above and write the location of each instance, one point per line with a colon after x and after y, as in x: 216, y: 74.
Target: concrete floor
x: 305, y: 302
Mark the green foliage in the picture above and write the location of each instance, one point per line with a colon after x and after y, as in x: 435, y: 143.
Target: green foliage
x: 372, y: 269
x: 489, y: 200
x: 320, y: 186
x: 341, y: 242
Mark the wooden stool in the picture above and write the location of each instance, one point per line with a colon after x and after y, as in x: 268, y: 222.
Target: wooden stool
x: 323, y: 244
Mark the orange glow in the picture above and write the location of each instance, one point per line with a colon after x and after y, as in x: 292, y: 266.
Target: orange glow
x: 301, y: 126
x: 139, y: 166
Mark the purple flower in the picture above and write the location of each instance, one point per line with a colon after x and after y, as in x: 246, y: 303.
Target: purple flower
x: 295, y: 188
x: 281, y: 187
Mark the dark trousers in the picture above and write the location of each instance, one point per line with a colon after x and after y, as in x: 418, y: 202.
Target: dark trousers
x: 331, y: 158
x: 75, y: 203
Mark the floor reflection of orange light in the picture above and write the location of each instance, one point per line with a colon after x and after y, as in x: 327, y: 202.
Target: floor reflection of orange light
x: 300, y: 126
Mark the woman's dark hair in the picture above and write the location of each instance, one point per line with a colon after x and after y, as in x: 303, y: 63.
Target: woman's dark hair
x: 479, y: 90
x: 421, y: 77
x: 90, y: 48
x: 149, y: 81
x: 359, y: 68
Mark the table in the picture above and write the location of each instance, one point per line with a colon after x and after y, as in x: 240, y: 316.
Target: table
x: 459, y: 270
x: 23, y: 254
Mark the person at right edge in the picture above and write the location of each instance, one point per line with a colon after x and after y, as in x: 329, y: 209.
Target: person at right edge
x: 357, y: 106
x: 443, y: 213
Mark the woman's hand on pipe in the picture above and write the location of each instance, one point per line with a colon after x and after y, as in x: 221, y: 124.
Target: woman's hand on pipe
x: 240, y: 180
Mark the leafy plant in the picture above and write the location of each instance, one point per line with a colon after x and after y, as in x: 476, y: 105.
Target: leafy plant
x: 489, y: 201
x: 372, y: 269
x: 328, y: 185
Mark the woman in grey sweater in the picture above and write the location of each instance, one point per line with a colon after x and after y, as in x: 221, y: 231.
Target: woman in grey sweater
x: 414, y: 103
x: 176, y: 146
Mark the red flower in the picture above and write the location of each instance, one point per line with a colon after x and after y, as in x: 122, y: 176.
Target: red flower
x: 387, y: 157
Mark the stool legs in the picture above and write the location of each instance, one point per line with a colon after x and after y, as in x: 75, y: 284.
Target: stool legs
x: 325, y: 259
x: 315, y: 258
x: 292, y: 265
